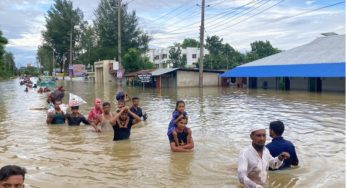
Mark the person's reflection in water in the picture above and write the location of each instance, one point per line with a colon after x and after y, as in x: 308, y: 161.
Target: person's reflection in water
x: 279, y: 180
x: 124, y: 157
x: 180, y: 168
x: 66, y: 135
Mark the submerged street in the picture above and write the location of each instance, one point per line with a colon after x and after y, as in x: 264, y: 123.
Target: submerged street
x: 63, y: 156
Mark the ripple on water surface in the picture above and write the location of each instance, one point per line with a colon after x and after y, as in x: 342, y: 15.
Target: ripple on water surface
x: 220, y: 118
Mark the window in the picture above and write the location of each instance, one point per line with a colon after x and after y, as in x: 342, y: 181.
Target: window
x: 156, y: 57
x: 194, y: 56
x: 164, y: 56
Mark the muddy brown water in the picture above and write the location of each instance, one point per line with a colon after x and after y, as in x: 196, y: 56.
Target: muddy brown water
x: 220, y: 118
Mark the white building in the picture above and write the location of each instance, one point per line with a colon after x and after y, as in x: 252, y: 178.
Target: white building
x: 160, y: 56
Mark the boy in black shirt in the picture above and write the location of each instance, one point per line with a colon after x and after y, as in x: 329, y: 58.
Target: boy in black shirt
x: 75, y: 118
x: 136, y: 109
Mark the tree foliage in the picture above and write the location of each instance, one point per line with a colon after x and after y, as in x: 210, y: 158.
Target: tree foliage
x: 221, y: 56
x: 189, y: 42
x: 176, y: 58
x: 134, y: 61
x: 106, y: 27
x: 88, y: 42
x: 44, y: 55
x: 7, y: 63
x: 91, y: 42
x: 260, y: 49
x: 62, y: 21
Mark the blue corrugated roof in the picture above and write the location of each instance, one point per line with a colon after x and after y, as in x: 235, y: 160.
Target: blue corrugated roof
x: 298, y: 70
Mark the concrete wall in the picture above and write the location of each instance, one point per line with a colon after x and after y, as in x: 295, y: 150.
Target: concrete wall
x: 271, y: 83
x: 333, y: 84
x: 102, y: 74
x: 169, y: 80
x: 299, y: 84
x: 328, y: 84
x: 191, y: 79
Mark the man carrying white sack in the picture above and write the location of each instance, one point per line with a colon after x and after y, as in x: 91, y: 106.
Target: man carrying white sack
x: 255, y: 160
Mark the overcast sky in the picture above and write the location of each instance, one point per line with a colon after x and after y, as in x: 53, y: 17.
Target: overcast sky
x: 238, y: 22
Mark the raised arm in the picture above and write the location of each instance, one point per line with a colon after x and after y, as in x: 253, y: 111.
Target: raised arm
x: 117, y: 115
x: 134, y: 116
x: 178, y: 118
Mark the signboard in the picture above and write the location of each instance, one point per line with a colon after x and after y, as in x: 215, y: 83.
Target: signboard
x: 120, y: 73
x: 115, y: 65
x: 79, y: 70
x: 145, y: 78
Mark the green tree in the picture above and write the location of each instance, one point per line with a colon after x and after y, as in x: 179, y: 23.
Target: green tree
x: 134, y: 61
x: 61, y: 22
x: 189, y: 42
x: 32, y: 71
x: 176, y: 57
x: 106, y: 26
x: 221, y: 56
x: 9, y: 64
x: 3, y: 42
x: 233, y: 57
x: 260, y: 49
x: 214, y: 45
x: 44, y: 56
x: 88, y: 45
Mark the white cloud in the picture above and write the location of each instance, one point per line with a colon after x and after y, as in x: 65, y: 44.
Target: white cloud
x: 309, y: 2
x: 27, y: 41
x: 23, y: 21
x: 275, y: 25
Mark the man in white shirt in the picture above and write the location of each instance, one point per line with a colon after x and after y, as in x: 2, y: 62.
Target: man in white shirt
x: 255, y: 160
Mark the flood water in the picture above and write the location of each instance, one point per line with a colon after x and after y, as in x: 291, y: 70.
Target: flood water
x: 220, y: 118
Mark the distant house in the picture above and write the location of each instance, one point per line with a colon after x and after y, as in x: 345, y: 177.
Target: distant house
x: 317, y: 66
x: 161, y: 56
x: 179, y: 77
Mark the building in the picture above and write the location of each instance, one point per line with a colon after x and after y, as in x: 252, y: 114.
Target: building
x: 106, y: 71
x: 160, y: 56
x: 133, y: 78
x: 317, y: 66
x: 182, y: 77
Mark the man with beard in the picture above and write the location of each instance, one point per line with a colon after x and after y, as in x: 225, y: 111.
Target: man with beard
x: 122, y: 123
x: 255, y: 160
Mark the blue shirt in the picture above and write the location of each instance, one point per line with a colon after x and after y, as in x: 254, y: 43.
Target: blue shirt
x: 171, y: 126
x: 182, y: 137
x: 137, y: 111
x: 279, y: 145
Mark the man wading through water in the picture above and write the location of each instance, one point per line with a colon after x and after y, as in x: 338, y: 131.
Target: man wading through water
x: 122, y: 123
x: 255, y: 160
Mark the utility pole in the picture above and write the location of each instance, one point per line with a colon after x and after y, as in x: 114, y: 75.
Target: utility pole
x: 70, y: 63
x: 119, y: 32
x: 52, y: 61
x: 119, y: 36
x: 201, y: 52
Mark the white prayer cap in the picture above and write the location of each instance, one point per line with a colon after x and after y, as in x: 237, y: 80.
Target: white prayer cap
x: 257, y: 127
